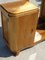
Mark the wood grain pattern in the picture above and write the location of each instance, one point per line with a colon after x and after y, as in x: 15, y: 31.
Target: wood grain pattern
x: 19, y: 29
x: 15, y: 8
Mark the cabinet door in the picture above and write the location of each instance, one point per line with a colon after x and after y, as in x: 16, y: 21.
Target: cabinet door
x: 26, y: 26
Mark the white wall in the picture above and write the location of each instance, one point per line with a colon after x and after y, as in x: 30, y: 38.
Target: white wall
x: 4, y: 1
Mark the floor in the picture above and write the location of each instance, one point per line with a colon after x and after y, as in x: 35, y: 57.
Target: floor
x: 35, y: 53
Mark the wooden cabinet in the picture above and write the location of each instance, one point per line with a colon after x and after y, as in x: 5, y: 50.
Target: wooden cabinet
x: 19, y: 23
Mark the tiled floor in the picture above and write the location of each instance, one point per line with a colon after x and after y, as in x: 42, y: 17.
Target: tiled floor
x: 35, y: 53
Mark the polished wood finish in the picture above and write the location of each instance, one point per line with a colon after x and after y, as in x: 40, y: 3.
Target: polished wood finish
x: 19, y: 23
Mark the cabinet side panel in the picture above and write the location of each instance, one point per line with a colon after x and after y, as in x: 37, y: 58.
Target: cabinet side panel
x: 12, y: 34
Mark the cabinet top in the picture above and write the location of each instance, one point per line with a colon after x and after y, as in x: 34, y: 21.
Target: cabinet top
x: 18, y: 7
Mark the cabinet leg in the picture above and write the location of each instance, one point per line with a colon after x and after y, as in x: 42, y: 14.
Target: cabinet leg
x: 15, y: 53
